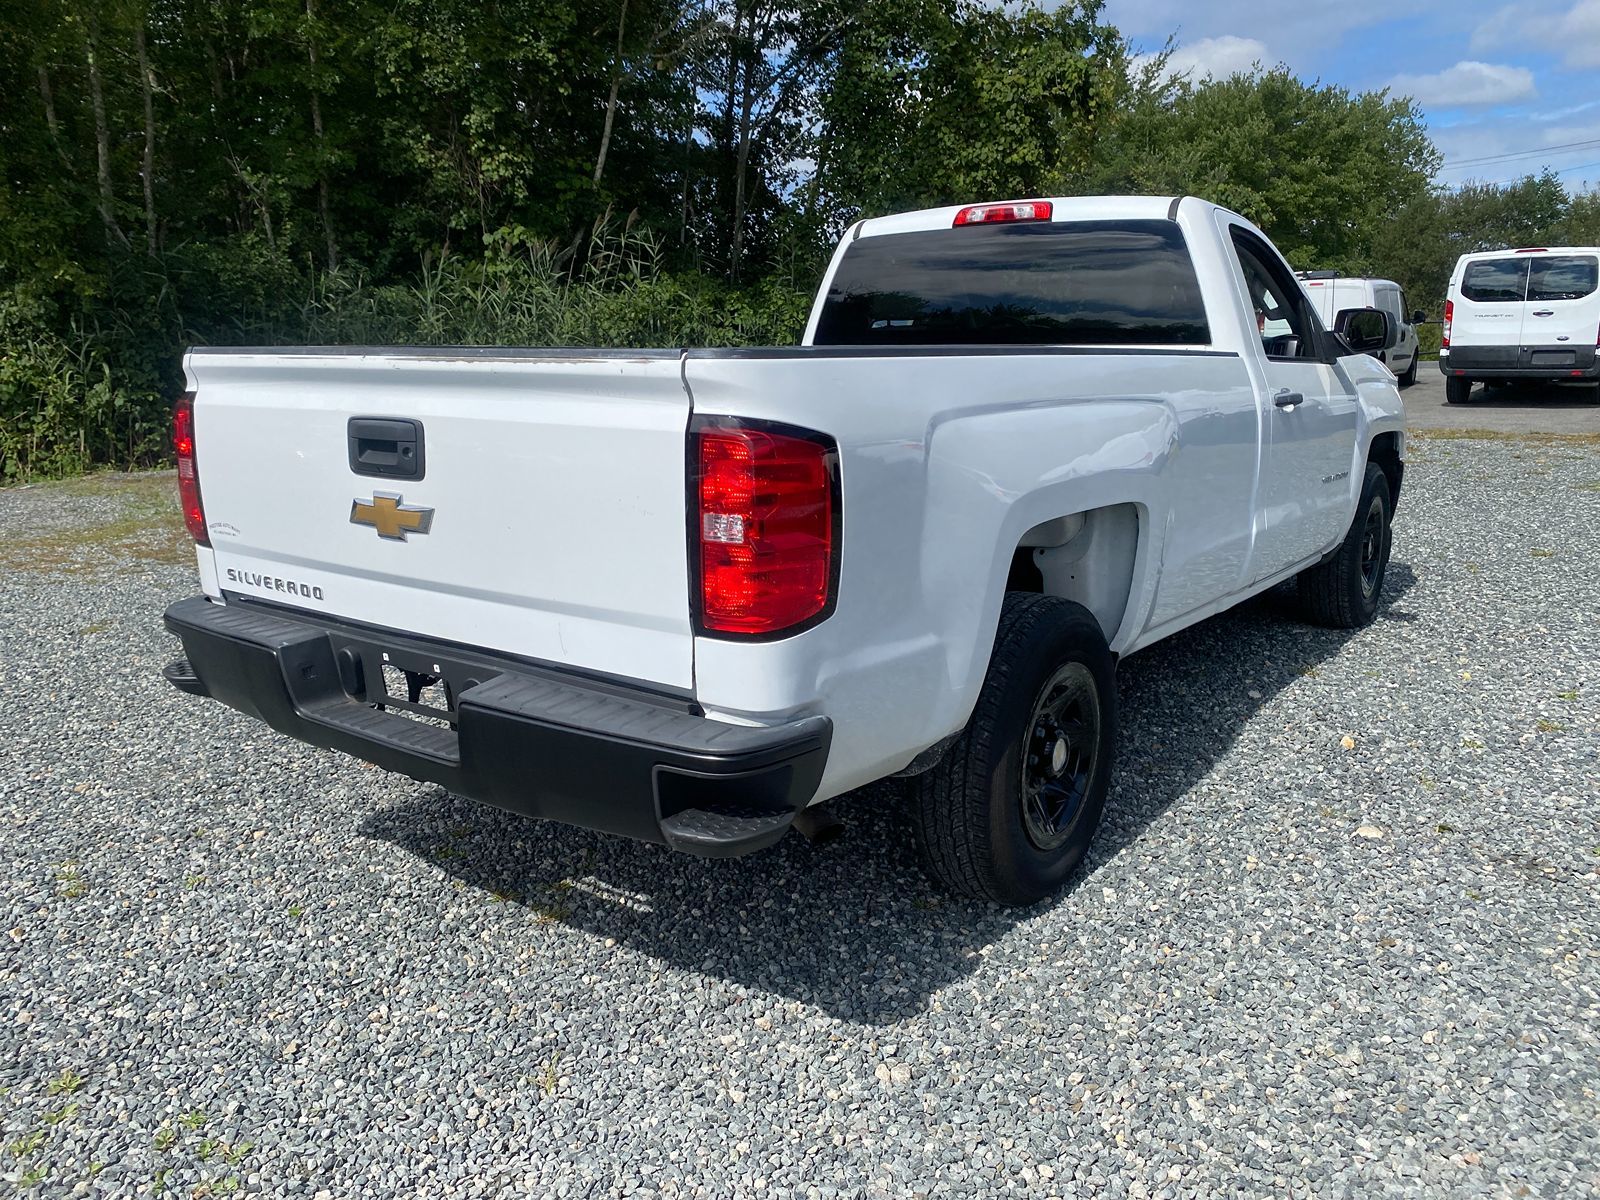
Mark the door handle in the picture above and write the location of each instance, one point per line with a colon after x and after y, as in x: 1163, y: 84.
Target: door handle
x: 1287, y: 399
x: 1544, y: 312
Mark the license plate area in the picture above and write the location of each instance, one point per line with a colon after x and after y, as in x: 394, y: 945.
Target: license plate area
x: 422, y: 686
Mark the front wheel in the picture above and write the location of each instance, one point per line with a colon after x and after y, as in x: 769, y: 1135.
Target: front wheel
x: 1409, y: 375
x: 1456, y: 389
x: 1009, y: 812
x: 1342, y: 592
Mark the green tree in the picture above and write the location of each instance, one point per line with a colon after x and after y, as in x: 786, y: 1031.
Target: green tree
x: 1320, y: 169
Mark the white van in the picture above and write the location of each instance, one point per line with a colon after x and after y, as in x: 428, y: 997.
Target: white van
x: 1332, y: 293
x: 1521, y: 315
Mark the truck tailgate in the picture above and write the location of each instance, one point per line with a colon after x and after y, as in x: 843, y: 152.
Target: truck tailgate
x: 555, y: 480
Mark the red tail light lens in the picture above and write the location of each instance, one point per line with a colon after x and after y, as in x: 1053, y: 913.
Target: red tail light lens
x: 766, y: 527
x: 996, y: 214
x: 194, y: 513
x: 1449, y: 314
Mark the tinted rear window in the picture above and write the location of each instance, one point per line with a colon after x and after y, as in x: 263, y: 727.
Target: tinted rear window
x: 1028, y: 284
x: 1563, y: 277
x: 1495, y: 280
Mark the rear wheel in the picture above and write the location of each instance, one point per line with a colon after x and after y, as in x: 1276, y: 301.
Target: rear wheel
x: 1343, y: 591
x: 1457, y: 389
x: 1009, y: 811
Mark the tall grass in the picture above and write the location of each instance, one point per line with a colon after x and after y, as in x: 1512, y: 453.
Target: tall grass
x: 91, y: 381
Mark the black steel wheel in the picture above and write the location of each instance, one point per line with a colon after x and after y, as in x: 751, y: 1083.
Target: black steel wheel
x: 1009, y: 811
x: 1059, y: 756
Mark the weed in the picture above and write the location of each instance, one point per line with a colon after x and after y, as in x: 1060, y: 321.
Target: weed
x: 1540, y: 552
x: 71, y: 883
x: 33, y: 1176
x: 191, y: 882
x: 548, y: 912
x: 550, y: 1074
x: 1472, y: 895
x: 206, y: 1149
x: 96, y: 627
x: 236, y: 1154
x: 64, y: 1113
x: 165, y: 1139
x: 1307, y: 672
x: 295, y: 910
x: 1444, y: 827
x: 158, y: 1182
x: 1546, y: 726
x: 192, y: 1119
x: 1572, y: 695
x: 27, y: 1144
x: 66, y: 1083
x: 1473, y: 568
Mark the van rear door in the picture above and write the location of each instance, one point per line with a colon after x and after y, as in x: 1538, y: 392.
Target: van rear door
x: 1488, y: 311
x: 1563, y: 309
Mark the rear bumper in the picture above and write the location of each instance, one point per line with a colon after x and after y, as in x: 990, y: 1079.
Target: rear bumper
x: 526, y: 738
x: 1554, y: 362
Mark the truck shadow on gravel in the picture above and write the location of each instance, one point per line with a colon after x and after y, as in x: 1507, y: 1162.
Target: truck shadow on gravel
x: 852, y: 926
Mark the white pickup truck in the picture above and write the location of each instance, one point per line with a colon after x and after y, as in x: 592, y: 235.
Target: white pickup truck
x: 683, y: 595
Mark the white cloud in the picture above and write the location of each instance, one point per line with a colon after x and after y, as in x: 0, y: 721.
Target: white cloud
x: 1216, y: 57
x: 1466, y: 84
x: 1572, y: 31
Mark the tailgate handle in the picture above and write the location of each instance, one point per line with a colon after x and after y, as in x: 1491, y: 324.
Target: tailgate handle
x: 388, y: 447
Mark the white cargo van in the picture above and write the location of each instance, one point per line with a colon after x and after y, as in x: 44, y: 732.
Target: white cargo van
x: 1332, y: 293
x: 1529, y: 315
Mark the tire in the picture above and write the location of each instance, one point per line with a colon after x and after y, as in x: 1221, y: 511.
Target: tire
x: 1010, y: 809
x: 1343, y: 592
x: 1457, y: 389
x: 1409, y: 375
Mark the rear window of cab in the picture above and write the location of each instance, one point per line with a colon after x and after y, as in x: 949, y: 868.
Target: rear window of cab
x: 1040, y: 283
x: 1540, y: 278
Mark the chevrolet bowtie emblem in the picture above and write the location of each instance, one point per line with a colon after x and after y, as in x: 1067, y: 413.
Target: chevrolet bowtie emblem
x: 389, y: 517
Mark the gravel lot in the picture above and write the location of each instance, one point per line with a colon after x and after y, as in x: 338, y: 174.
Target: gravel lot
x: 1296, y: 965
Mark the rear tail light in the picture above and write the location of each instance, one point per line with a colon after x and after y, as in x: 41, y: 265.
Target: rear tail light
x: 194, y: 513
x: 1444, y: 334
x: 766, y: 526
x: 996, y: 214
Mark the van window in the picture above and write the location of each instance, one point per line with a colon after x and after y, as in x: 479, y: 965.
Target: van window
x: 1496, y: 280
x: 1563, y: 277
x: 1031, y: 284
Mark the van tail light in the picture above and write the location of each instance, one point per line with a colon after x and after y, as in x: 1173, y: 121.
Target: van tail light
x: 765, y: 534
x: 1444, y: 334
x: 194, y: 513
x: 997, y: 214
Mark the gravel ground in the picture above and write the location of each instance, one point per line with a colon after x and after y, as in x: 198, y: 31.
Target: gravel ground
x: 1340, y: 936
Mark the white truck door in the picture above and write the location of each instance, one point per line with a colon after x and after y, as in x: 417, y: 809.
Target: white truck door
x: 1308, y: 416
x: 1488, y: 311
x: 1563, y: 309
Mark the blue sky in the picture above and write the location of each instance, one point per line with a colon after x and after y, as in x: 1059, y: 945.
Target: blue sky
x: 1506, y: 89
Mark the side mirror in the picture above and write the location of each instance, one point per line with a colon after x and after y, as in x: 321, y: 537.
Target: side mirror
x: 1364, y: 330
x: 1418, y: 317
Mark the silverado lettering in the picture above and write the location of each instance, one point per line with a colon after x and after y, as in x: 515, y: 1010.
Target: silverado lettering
x: 271, y: 583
